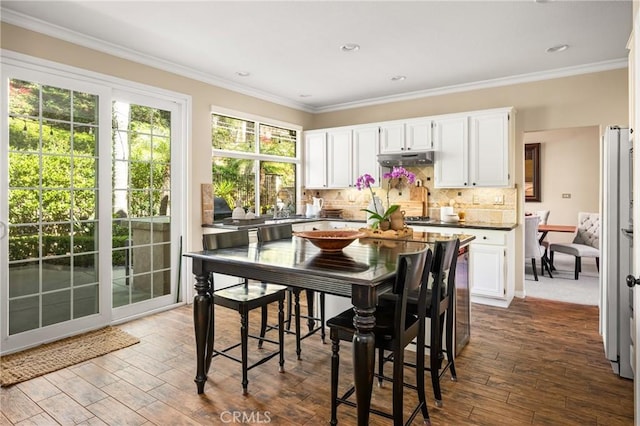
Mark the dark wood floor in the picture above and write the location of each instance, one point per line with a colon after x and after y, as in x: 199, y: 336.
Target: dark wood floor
x: 538, y: 362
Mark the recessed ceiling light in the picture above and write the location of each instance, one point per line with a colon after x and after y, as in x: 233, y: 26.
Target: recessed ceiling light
x: 558, y: 48
x: 243, y: 73
x: 398, y: 78
x: 305, y: 95
x: 350, y: 47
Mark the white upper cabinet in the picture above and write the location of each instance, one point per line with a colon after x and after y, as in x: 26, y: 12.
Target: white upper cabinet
x: 334, y: 158
x: 315, y: 159
x: 391, y: 137
x: 489, y: 149
x: 366, y: 147
x: 408, y: 135
x: 474, y: 149
x: 451, y: 168
x: 339, y: 155
x: 419, y: 134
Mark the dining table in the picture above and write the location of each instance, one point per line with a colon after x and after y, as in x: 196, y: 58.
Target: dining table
x: 362, y: 271
x: 544, y: 229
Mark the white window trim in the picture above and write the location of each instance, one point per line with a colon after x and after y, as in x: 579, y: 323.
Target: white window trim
x: 297, y: 160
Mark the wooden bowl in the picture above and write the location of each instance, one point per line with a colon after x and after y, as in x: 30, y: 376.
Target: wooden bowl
x: 331, y: 240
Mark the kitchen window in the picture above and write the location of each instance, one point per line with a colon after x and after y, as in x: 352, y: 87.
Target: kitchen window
x: 255, y: 163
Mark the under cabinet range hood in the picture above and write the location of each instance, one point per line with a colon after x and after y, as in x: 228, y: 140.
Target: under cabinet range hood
x: 424, y: 158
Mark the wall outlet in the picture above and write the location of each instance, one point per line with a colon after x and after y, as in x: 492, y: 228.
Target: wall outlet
x: 499, y: 199
x: 476, y: 199
x: 566, y: 195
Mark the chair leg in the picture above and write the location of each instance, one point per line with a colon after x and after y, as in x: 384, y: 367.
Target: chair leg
x: 289, y: 308
x: 598, y: 264
x: 244, y: 337
x: 422, y: 397
x: 535, y: 273
x: 398, y: 387
x: 296, y: 304
x: 434, y: 365
x: 380, y: 366
x: 553, y: 268
x: 449, y: 344
x: 577, y: 267
x: 281, y: 333
x: 311, y: 298
x: 322, y: 318
x: 335, y: 365
x: 263, y: 326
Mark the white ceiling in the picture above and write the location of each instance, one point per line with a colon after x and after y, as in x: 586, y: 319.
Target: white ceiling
x: 292, y: 48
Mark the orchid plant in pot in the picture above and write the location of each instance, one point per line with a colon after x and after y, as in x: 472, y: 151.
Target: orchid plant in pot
x: 378, y: 218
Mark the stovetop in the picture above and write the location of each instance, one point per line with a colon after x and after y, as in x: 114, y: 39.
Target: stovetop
x: 418, y: 220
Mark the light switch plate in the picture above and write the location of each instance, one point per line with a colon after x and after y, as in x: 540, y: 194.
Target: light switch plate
x: 566, y: 195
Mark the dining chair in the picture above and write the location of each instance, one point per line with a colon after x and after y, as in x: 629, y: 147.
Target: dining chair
x: 440, y: 311
x: 285, y: 231
x: 243, y: 298
x: 395, y: 327
x: 532, y: 249
x: 586, y: 242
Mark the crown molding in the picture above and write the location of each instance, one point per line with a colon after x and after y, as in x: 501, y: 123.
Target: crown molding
x: 486, y: 84
x: 55, y: 31
x: 37, y: 25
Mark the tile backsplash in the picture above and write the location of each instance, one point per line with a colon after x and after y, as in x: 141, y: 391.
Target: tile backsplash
x: 492, y: 205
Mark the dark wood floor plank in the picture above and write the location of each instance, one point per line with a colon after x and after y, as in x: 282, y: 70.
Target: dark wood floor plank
x: 537, y: 362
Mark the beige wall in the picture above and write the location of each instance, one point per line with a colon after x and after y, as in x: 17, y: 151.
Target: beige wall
x: 569, y: 164
x: 594, y: 99
x: 202, y: 95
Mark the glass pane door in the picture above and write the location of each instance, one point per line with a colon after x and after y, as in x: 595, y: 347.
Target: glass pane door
x: 142, y: 273
x: 52, y: 191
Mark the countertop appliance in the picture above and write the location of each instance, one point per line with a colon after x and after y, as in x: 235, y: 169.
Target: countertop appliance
x: 616, y: 248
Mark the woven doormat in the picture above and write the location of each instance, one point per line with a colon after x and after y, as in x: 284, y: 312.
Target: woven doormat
x: 25, y: 365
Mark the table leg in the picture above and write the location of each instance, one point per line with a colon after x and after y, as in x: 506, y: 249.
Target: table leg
x: 203, y: 325
x: 363, y: 351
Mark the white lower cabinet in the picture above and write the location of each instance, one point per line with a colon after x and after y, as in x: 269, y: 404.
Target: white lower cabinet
x: 491, y: 267
x: 491, y: 263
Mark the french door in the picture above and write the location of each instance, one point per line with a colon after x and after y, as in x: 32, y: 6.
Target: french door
x: 88, y: 178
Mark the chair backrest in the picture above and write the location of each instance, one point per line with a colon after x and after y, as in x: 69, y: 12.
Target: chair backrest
x: 275, y: 232
x: 410, y: 273
x: 543, y: 215
x: 588, y: 231
x: 531, y: 244
x: 225, y: 239
x: 451, y: 261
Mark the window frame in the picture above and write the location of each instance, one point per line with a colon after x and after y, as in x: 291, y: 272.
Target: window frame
x: 256, y: 155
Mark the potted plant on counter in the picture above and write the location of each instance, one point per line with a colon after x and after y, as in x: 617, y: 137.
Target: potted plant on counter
x: 379, y: 218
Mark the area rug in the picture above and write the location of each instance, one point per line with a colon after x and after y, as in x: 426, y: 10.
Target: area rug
x: 25, y: 365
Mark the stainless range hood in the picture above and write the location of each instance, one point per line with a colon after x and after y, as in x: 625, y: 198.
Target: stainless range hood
x: 406, y: 159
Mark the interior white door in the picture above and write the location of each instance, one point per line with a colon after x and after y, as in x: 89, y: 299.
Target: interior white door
x: 636, y: 211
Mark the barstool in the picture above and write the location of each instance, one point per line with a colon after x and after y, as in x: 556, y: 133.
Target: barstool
x: 243, y: 298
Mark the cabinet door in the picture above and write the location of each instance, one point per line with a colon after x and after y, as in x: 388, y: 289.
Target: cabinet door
x: 451, y: 157
x: 419, y: 135
x: 366, y: 146
x: 489, y: 149
x: 392, y: 137
x: 315, y: 160
x: 339, y: 171
x: 487, y: 270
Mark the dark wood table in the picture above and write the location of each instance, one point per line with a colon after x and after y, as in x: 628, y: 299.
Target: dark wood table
x: 363, y: 270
